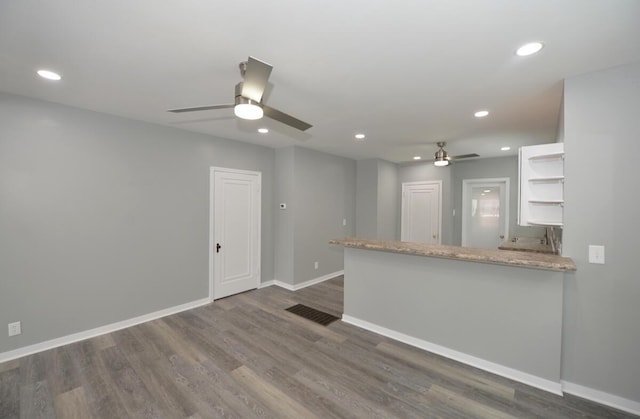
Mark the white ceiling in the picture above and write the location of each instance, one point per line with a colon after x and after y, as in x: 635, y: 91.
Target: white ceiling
x: 405, y: 73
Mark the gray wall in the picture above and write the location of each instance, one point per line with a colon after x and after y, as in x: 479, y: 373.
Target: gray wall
x: 560, y: 130
x: 601, y: 344
x: 367, y: 199
x: 103, y: 219
x: 376, y: 195
x: 387, y: 205
x: 323, y: 194
x: 284, y: 218
x: 415, y: 172
x: 498, y: 167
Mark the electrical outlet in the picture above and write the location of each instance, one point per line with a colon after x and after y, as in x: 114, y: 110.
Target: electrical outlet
x: 15, y: 329
x: 315, y: 265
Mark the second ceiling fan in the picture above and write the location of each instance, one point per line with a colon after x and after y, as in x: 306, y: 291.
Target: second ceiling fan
x: 442, y: 158
x: 248, y: 97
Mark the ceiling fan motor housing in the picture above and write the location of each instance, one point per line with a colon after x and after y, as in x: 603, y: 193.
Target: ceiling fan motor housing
x: 241, y: 100
x: 441, y: 154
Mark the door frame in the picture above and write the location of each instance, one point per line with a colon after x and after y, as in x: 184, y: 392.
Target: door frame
x: 212, y: 210
x: 466, y: 183
x: 403, y: 234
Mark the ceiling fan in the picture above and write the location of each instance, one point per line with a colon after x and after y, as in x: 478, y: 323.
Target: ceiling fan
x: 442, y: 158
x: 248, y: 100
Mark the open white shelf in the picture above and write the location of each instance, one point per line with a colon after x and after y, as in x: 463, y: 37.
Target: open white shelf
x: 544, y: 223
x: 541, y: 194
x: 550, y: 155
x: 547, y: 179
x: 547, y: 201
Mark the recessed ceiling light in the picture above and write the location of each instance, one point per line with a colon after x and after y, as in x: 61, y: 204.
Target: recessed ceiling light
x: 487, y: 190
x: 530, y: 48
x: 49, y: 75
x: 417, y: 157
x: 360, y: 136
x: 481, y: 114
x: 505, y: 148
x: 481, y: 194
x: 263, y: 130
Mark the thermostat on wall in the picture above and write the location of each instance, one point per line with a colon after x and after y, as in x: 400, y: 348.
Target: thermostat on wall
x: 283, y: 205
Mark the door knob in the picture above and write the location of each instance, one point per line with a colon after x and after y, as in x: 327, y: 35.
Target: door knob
x: 502, y: 236
x: 218, y: 247
x: 435, y: 236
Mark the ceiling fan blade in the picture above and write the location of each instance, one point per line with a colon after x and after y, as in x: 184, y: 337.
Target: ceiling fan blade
x: 201, y: 108
x: 464, y: 156
x: 255, y: 79
x: 285, y: 119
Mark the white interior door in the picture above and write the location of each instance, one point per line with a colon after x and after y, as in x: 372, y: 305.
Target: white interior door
x: 421, y: 219
x: 235, y: 236
x: 485, y: 212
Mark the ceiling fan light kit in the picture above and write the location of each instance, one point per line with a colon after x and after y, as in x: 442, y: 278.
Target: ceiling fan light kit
x: 247, y: 109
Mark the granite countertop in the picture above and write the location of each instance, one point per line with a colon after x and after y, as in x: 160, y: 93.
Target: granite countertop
x: 526, y: 247
x: 500, y: 257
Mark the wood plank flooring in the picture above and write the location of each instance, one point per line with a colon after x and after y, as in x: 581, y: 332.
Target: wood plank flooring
x: 245, y: 356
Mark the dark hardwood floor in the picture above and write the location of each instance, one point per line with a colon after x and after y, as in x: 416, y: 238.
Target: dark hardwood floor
x: 245, y: 356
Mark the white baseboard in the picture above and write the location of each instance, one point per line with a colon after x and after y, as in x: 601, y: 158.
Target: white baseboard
x: 267, y: 284
x: 601, y: 397
x: 513, y: 374
x: 301, y: 285
x: 76, y: 337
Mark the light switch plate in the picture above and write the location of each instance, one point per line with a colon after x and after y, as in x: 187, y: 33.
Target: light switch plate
x: 596, y: 254
x: 15, y: 329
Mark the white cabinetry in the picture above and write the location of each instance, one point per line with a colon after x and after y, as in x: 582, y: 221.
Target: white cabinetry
x: 541, y: 193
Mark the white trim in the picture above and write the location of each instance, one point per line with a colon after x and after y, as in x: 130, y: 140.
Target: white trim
x: 301, y: 285
x: 284, y: 285
x: 87, y: 334
x: 601, y: 397
x: 489, y: 183
x: 258, y: 244
x: 267, y: 284
x: 211, y: 230
x: 315, y: 281
x: 513, y: 374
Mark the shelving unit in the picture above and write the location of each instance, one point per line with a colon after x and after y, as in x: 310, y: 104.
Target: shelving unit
x: 541, y: 194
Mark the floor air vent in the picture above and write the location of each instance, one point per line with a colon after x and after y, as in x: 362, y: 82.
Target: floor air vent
x: 312, y: 314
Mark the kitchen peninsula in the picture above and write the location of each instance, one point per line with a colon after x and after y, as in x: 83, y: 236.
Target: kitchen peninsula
x: 497, y: 310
